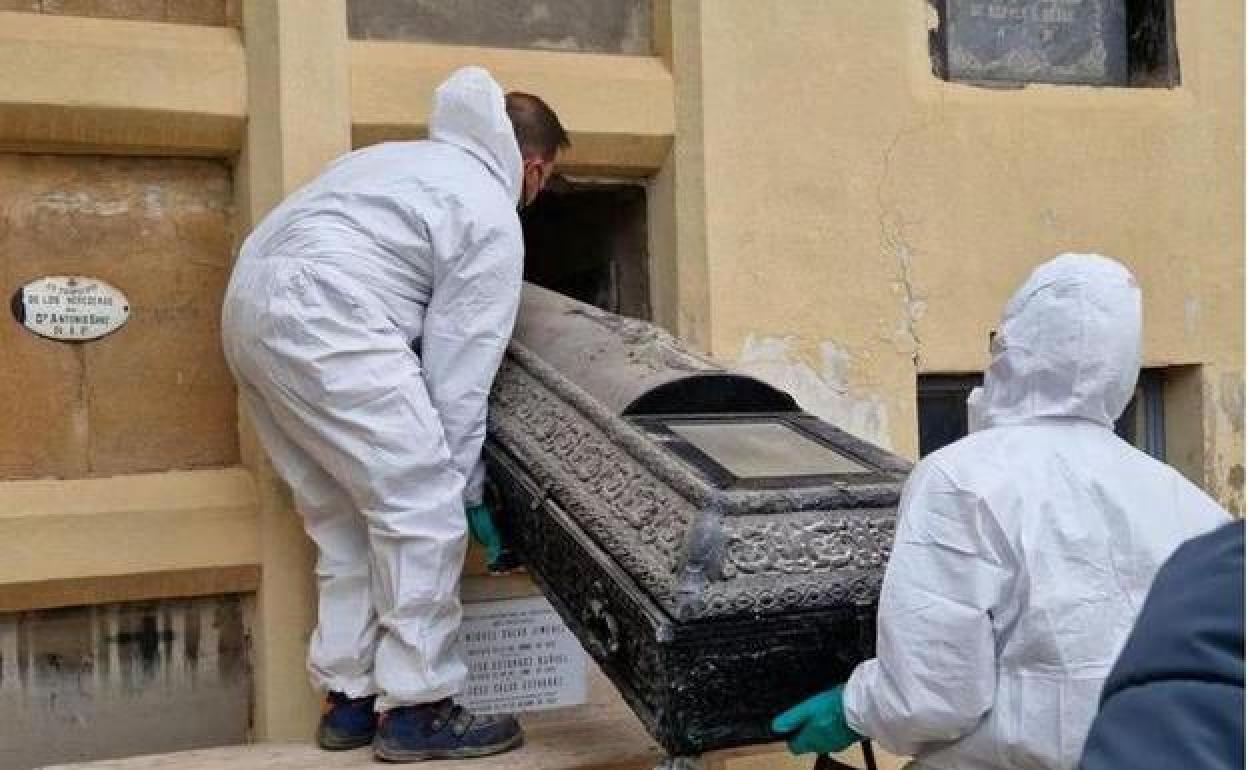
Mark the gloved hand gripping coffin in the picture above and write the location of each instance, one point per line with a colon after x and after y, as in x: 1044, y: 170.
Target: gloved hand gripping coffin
x: 718, y: 551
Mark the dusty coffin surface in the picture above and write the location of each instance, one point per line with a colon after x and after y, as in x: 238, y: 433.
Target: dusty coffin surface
x: 718, y: 551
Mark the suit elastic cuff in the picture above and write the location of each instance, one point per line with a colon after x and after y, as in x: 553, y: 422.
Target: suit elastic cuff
x: 853, y: 699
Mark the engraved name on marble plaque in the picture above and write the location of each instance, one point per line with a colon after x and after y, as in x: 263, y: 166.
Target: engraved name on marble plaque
x: 1041, y: 41
x: 521, y: 657
x: 70, y: 308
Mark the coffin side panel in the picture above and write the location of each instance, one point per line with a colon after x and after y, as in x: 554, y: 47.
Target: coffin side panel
x: 613, y: 620
x: 729, y: 679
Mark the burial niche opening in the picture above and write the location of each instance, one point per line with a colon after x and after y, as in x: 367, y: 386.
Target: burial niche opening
x: 587, y: 240
x: 1080, y: 42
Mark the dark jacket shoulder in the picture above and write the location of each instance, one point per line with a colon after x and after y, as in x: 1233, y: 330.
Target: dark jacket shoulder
x: 1175, y: 698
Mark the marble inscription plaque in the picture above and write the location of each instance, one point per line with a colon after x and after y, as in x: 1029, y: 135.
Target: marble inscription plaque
x: 1043, y: 41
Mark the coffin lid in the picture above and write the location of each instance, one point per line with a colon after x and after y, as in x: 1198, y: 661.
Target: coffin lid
x: 633, y: 367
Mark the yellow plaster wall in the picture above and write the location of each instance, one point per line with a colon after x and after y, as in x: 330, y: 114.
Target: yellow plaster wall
x: 103, y: 85
x: 677, y: 197
x: 866, y: 221
x: 617, y: 109
x: 127, y: 525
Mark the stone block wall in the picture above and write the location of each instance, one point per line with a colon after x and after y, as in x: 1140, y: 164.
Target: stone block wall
x: 155, y: 395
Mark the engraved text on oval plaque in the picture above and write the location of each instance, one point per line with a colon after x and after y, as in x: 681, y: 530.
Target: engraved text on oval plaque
x: 70, y: 308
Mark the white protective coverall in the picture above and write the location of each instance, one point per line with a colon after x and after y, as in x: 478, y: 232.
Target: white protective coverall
x: 1024, y: 551
x: 365, y: 320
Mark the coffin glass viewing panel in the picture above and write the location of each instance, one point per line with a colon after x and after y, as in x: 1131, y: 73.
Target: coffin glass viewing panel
x: 752, y: 451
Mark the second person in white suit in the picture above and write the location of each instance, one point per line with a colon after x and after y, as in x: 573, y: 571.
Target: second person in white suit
x: 1024, y: 551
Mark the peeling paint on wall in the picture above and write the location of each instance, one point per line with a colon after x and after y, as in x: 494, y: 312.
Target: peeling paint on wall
x: 1224, y: 472
x: 824, y: 392
x: 1228, y: 486
x: 61, y: 202
x: 1230, y: 469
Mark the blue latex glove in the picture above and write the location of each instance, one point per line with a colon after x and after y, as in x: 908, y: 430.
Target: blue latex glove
x: 481, y: 525
x: 817, y: 724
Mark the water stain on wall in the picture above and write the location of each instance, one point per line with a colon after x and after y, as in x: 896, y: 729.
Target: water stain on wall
x: 122, y: 679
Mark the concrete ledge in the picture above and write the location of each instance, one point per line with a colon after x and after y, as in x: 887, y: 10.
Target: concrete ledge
x: 128, y: 87
x: 618, y: 109
x: 85, y: 541
x: 178, y: 584
x: 102, y: 85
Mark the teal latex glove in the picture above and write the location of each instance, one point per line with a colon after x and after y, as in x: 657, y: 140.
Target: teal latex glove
x: 817, y: 724
x: 481, y: 525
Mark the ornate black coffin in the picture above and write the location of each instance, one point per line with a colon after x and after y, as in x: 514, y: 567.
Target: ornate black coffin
x: 717, y: 551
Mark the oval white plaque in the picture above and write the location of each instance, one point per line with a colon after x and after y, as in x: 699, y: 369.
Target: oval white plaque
x: 73, y: 308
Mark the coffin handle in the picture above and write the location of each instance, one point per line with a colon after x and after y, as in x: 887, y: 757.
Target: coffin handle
x: 603, y: 630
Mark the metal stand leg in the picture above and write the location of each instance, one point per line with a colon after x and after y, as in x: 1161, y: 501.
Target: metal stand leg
x: 868, y: 754
x: 825, y: 762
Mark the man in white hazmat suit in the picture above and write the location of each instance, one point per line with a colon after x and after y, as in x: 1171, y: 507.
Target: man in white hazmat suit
x: 1023, y: 552
x: 365, y: 320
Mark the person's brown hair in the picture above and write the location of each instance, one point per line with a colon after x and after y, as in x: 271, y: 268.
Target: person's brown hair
x: 537, y: 127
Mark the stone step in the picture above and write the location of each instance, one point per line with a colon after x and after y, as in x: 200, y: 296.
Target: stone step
x: 614, y: 741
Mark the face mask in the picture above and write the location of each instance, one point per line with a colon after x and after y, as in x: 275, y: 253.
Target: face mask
x: 976, y: 417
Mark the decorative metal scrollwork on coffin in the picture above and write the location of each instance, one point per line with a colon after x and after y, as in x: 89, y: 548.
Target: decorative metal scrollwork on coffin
x: 602, y: 485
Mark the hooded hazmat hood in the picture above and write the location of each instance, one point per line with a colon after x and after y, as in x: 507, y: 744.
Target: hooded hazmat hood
x: 469, y: 112
x: 1068, y: 345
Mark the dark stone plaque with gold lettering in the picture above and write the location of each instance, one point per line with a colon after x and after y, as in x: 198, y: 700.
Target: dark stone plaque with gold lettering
x: 1046, y: 41
x: 717, y: 550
